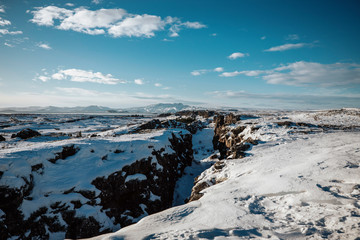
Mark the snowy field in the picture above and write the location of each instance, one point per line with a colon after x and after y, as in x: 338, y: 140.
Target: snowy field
x: 302, y: 181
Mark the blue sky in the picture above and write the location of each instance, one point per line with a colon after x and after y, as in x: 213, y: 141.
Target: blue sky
x: 249, y: 53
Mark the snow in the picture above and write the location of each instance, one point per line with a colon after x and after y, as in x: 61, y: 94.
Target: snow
x: 154, y: 197
x: 109, y: 151
x: 202, y: 145
x: 138, y: 177
x: 300, y: 182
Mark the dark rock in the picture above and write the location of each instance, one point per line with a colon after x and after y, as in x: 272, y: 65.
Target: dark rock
x: 153, y: 124
x: 324, y: 233
x: 320, y: 222
x: 310, y: 231
x: 164, y: 114
x: 193, y: 114
x: 2, y: 139
x: 65, y: 153
x: 26, y: 134
x: 255, y: 207
x: 285, y: 124
x: 187, y: 120
x: 80, y: 227
x: 351, y: 165
x: 354, y: 214
x: 38, y: 168
x: 122, y: 198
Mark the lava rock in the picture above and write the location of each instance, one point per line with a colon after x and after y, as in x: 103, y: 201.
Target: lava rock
x: 26, y: 134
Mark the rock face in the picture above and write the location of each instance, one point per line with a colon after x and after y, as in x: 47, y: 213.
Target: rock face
x: 190, y: 124
x: 26, y: 134
x: 229, y: 141
x: 125, y: 199
x: 122, y: 197
x: 2, y: 139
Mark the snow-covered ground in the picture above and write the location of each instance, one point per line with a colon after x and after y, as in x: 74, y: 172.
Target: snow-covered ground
x: 56, y: 170
x: 302, y: 181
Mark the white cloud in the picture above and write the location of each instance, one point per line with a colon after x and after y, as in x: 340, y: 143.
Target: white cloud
x: 7, y: 32
x: 4, y: 22
x: 204, y: 71
x: 138, y: 26
x: 194, y: 25
x: 252, y: 73
x: 79, y: 75
x: 91, y: 22
x: 285, y: 47
x: 307, y: 74
x: 69, y: 4
x: 96, y: 1
x: 218, y: 69
x: 199, y: 72
x: 263, y: 37
x: 44, y: 16
x: 8, y: 45
x: 230, y: 74
x: 311, y: 73
x: 236, y: 55
x: 43, y: 78
x: 292, y: 37
x: 44, y: 46
x: 159, y: 85
x: 286, y: 100
x: 139, y: 81
x: 2, y: 9
x: 115, y: 22
x: 213, y: 34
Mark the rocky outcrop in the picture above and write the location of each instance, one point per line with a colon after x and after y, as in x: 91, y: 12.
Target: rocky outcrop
x: 26, y: 134
x: 142, y: 187
x: 190, y: 124
x: 195, y: 113
x: 66, y: 152
x: 228, y: 138
x: 126, y: 200
x: 231, y: 142
x: 2, y: 139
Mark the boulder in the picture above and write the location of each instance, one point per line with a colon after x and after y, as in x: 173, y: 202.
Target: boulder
x: 26, y: 134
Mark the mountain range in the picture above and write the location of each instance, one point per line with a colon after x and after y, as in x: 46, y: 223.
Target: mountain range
x: 154, y: 108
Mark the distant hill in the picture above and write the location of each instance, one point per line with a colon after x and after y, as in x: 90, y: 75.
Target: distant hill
x: 159, y: 108
x: 155, y: 108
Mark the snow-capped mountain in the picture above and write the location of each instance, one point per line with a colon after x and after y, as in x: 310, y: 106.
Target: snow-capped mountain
x: 159, y: 108
x: 153, y: 109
